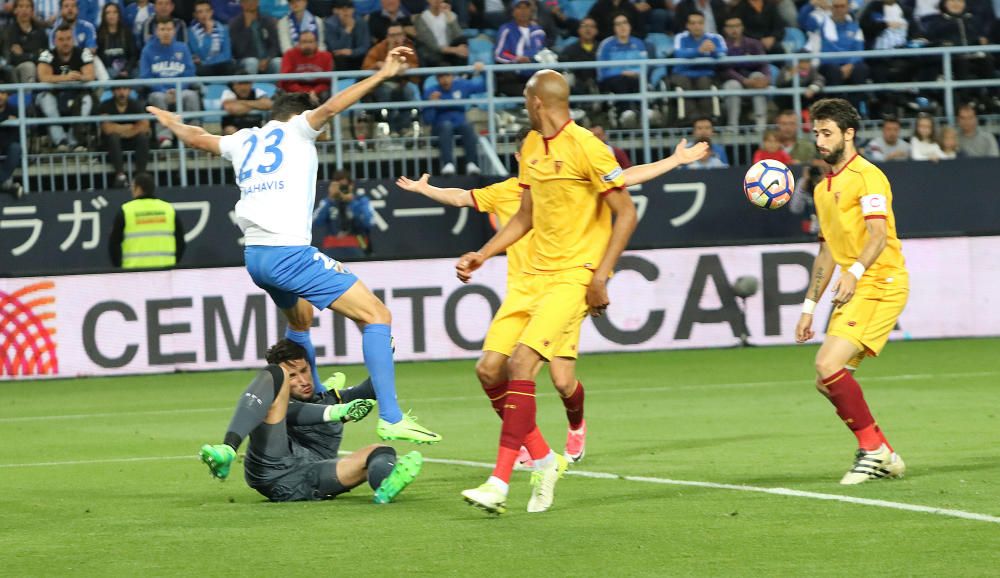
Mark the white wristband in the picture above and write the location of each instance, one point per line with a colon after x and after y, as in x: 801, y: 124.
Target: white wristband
x: 857, y: 269
x: 808, y: 306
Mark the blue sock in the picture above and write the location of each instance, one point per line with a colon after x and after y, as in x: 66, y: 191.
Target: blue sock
x: 376, y: 344
x: 302, y: 338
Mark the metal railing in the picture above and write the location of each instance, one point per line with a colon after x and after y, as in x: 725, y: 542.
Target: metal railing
x: 646, y: 96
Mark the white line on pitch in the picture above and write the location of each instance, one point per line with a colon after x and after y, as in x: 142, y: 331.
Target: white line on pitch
x: 607, y: 391
x: 608, y: 476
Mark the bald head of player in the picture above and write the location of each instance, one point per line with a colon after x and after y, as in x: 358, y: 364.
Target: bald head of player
x: 546, y: 97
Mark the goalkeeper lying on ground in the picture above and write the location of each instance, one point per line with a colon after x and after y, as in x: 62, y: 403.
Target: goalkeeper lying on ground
x: 295, y: 436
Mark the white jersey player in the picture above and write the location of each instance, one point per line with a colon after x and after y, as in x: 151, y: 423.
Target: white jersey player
x: 275, y: 168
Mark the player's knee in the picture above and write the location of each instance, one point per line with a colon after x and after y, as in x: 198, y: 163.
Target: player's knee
x: 565, y: 385
x: 825, y: 366
x: 375, y: 312
x: 490, y: 372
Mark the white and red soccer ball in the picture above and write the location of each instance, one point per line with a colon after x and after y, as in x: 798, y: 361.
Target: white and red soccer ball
x: 769, y: 184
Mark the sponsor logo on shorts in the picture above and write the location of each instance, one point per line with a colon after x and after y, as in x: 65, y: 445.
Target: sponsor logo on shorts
x: 546, y: 343
x: 852, y: 323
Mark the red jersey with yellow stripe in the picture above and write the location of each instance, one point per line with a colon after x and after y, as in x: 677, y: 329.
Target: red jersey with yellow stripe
x: 568, y: 175
x: 844, y: 201
x: 503, y: 199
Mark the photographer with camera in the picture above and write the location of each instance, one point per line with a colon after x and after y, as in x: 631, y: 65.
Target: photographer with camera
x: 346, y: 219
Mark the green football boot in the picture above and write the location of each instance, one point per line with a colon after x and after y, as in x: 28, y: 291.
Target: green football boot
x: 406, y: 429
x: 406, y: 470
x: 352, y: 411
x: 218, y: 458
x: 335, y: 383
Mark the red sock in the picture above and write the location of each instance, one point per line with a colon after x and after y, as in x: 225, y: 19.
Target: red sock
x: 518, y: 421
x: 497, y: 393
x: 574, y: 407
x: 846, y: 396
x: 538, y: 448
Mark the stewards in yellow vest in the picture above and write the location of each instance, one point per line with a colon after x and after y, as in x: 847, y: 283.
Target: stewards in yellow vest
x: 146, y: 233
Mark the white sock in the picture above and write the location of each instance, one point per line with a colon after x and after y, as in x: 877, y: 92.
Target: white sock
x: 545, y: 462
x: 500, y: 484
x: 327, y: 414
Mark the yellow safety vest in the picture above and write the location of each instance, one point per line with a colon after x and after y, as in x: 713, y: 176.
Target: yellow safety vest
x: 149, y: 234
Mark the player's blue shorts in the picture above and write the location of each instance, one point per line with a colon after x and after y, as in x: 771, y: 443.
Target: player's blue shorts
x: 287, y: 273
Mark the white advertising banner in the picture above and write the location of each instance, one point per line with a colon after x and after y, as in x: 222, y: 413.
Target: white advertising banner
x: 200, y: 319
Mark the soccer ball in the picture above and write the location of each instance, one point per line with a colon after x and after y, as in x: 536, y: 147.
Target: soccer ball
x: 769, y: 184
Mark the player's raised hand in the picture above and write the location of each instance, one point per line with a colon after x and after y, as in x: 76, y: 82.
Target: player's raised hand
x: 803, y: 330
x: 597, y: 297
x: 468, y: 263
x: 408, y: 184
x: 164, y: 117
x: 686, y: 155
x: 844, y: 289
x: 395, y: 61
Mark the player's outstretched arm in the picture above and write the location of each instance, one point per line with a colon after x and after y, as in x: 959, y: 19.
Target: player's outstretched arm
x: 683, y: 155
x: 626, y: 219
x: 395, y: 63
x: 822, y: 272
x: 453, y: 197
x: 192, y: 136
x: 517, y: 227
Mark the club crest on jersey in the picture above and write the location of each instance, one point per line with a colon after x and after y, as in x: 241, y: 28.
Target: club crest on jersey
x: 534, y: 161
x: 836, y: 196
x: 559, y: 165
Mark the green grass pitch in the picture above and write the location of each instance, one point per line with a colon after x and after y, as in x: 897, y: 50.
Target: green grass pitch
x: 99, y: 476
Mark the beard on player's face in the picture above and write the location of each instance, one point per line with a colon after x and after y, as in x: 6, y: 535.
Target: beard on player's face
x: 832, y: 156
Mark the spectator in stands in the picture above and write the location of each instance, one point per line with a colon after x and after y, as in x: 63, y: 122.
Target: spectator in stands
x: 888, y: 146
x: 392, y: 13
x: 164, y: 9
x: 956, y: 25
x: 923, y: 145
x: 211, y: 48
x: 715, y: 157
x: 65, y: 63
x: 555, y: 22
x: 255, y: 40
x: 621, y: 79
x: 307, y: 57
x: 886, y: 25
x: 620, y: 155
x: 949, y: 144
x: 842, y: 34
x: 155, y: 241
x: 584, y: 80
x: 440, y: 41
x: 245, y: 105
x: 226, y: 10
x: 183, y: 9
x: 90, y: 10
x: 714, y: 12
x: 604, y: 12
x: 48, y: 11
x: 299, y: 20
x: 749, y: 75
x: 518, y: 41
x: 762, y: 21
x: 800, y: 150
x: 273, y: 8
x: 399, y: 88
x: 696, y: 43
x: 84, y: 33
x: 346, y: 218
x: 770, y: 149
x: 115, y: 44
x: 322, y: 9
x: 446, y: 121
x: 168, y: 58
x: 136, y: 15
x: 10, y: 146
x: 489, y: 14
x: 972, y: 141
x: 366, y: 7
x: 347, y: 38
x: 131, y: 134
x: 24, y: 41
x: 811, y: 81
